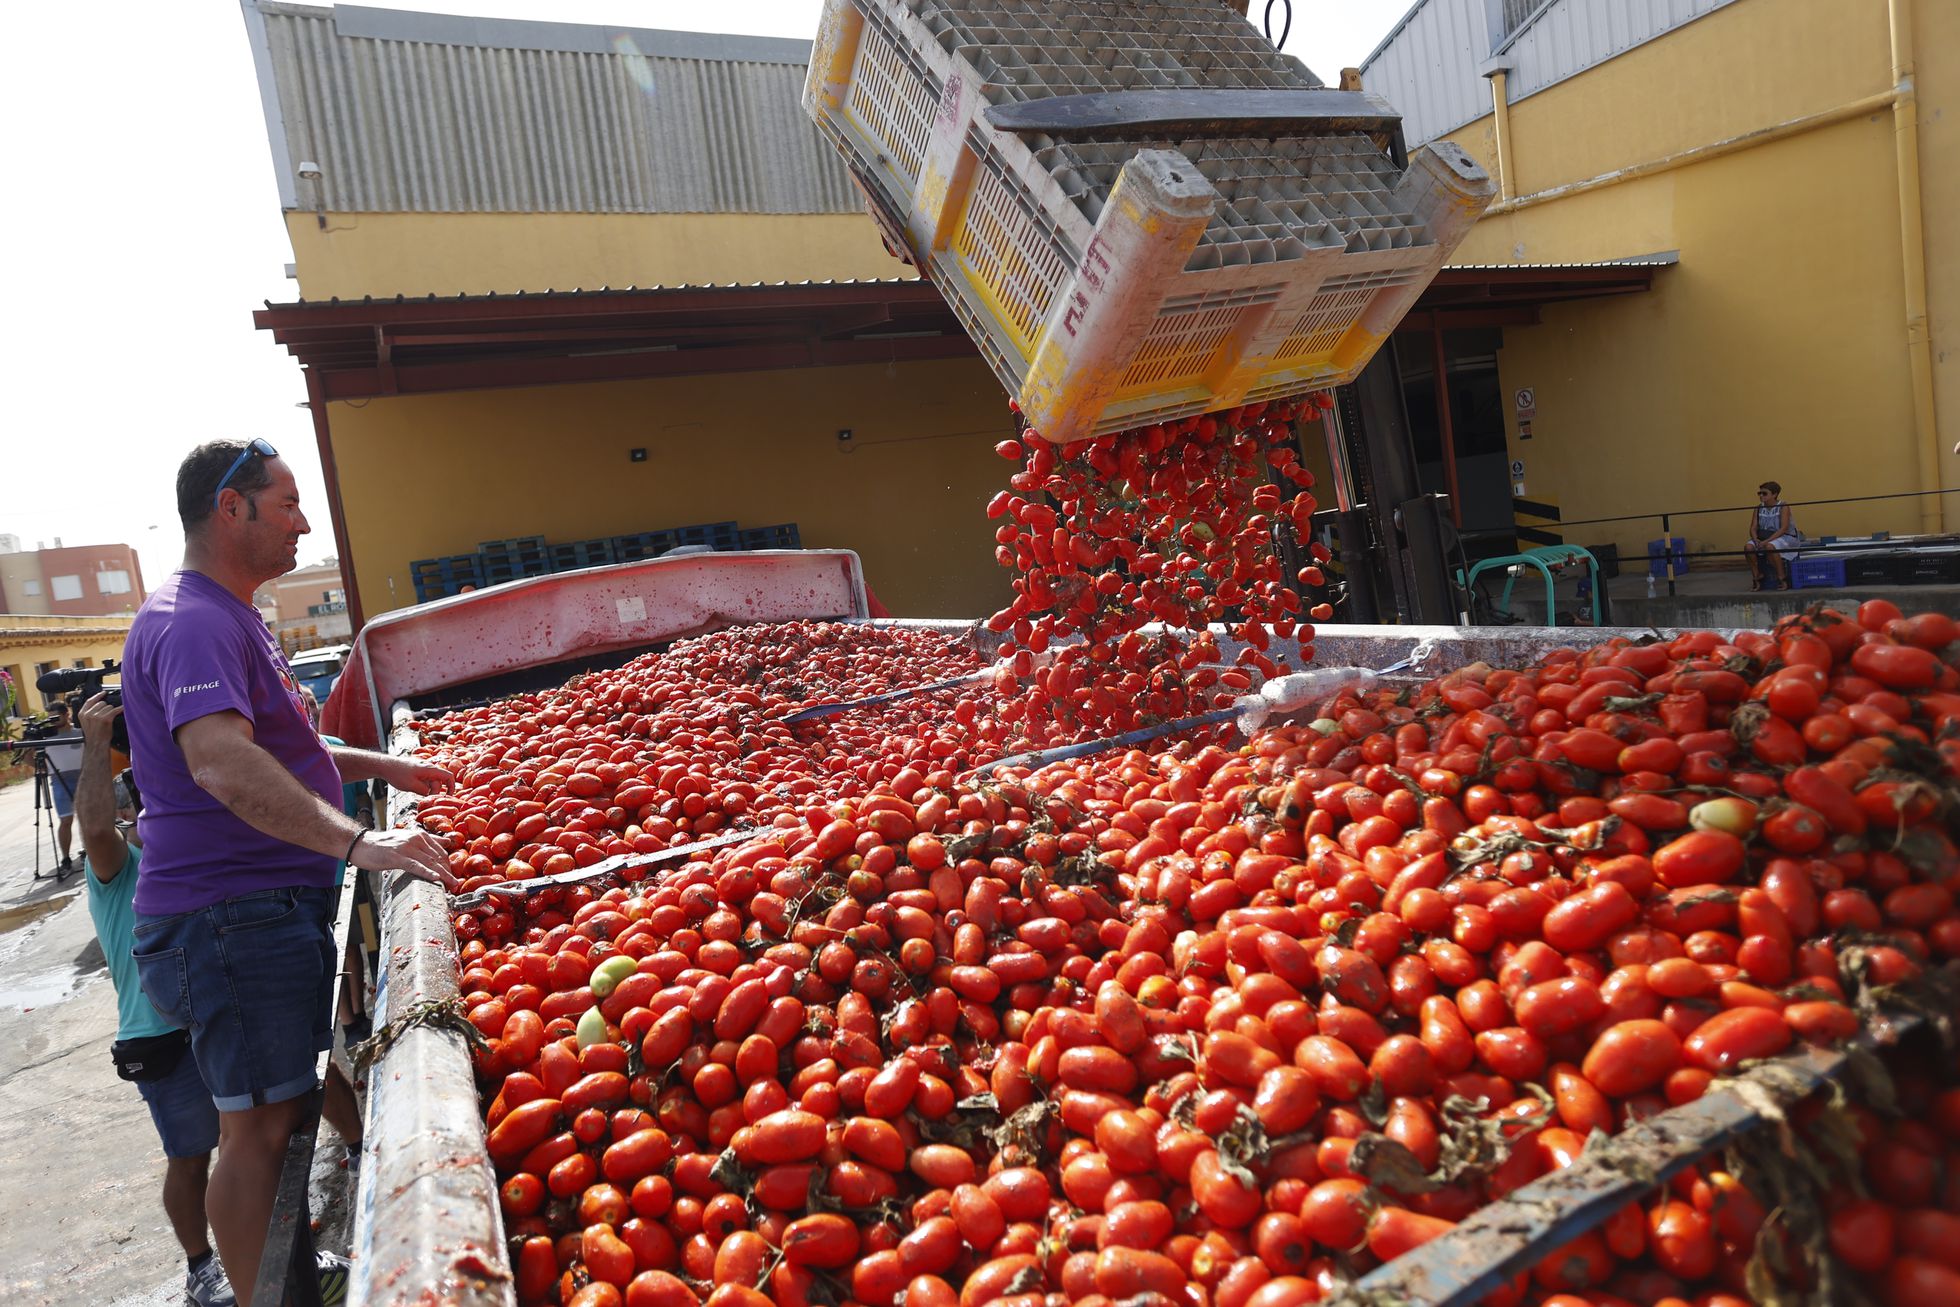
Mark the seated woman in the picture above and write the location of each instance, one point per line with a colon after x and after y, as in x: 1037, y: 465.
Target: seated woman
x: 1772, y: 536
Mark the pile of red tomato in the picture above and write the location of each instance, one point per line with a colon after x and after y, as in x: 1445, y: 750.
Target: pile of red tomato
x: 1208, y: 1026
x: 1174, y: 524
x: 679, y: 745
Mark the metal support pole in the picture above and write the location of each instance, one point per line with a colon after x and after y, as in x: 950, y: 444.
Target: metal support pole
x: 1415, y: 570
x: 1445, y: 428
x: 1667, y: 552
x: 316, y: 403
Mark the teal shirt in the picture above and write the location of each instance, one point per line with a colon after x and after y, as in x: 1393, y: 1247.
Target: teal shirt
x: 112, y: 907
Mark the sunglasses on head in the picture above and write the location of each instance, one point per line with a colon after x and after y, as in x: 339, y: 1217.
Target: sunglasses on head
x: 259, y: 447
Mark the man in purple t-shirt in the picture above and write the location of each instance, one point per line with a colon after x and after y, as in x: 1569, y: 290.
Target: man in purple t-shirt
x: 243, y: 831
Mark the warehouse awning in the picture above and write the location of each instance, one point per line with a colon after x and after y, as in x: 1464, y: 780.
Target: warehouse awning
x: 1511, y: 294
x: 358, y: 349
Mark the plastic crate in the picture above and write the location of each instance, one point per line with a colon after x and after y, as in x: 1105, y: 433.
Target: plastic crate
x: 1876, y: 568
x: 1810, y: 570
x: 508, y: 560
x: 437, y: 578
x: 1137, y: 212
x: 785, y: 536
x: 582, y: 553
x: 642, y: 544
x: 1931, y: 567
x: 716, y: 535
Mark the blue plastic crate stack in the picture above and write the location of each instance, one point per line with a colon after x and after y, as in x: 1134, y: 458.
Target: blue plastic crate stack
x: 437, y: 578
x: 771, y: 537
x: 582, y: 553
x: 508, y: 560
x: 497, y: 561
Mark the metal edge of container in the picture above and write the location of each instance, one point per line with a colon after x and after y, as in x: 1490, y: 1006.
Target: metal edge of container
x: 428, y: 1227
x: 1516, y: 1232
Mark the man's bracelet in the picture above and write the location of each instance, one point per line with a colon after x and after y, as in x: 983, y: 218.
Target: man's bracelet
x: 359, y: 835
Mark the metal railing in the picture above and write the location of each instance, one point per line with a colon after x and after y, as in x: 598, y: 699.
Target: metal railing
x: 288, y: 1267
x: 1666, y: 518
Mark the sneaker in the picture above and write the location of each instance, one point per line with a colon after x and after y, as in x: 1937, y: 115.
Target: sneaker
x: 335, y: 1272
x: 207, y: 1286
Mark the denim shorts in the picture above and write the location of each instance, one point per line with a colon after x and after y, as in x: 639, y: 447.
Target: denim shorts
x: 252, y: 979
x: 185, y: 1116
x: 63, y: 784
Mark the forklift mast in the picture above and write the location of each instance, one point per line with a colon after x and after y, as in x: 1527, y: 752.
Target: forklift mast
x: 1390, y: 537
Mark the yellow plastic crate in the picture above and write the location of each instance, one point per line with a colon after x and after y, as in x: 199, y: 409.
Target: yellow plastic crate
x: 1138, y: 208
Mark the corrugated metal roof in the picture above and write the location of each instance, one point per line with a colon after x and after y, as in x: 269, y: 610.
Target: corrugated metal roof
x: 1427, y: 67
x: 1430, y: 65
x: 1664, y: 259
x: 586, y: 292
x: 426, y: 113
x: 1569, y: 36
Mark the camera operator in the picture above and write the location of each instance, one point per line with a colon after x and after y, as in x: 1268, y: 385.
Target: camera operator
x: 243, y: 833
x: 148, y: 1050
x: 65, y: 764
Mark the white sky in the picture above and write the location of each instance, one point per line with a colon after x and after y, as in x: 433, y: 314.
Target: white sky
x: 144, y: 227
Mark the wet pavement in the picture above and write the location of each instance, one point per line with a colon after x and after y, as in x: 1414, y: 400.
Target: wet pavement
x: 81, y: 1219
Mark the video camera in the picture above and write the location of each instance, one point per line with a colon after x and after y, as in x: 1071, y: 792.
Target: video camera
x: 81, y: 684
x: 35, y: 729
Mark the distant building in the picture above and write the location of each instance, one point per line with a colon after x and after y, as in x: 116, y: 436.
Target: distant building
x: 307, y: 607
x: 69, y: 581
x: 33, y: 645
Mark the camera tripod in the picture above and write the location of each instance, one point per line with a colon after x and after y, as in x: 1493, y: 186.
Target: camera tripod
x: 46, y: 777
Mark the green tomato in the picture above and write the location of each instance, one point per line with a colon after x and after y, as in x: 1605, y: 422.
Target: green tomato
x: 1326, y: 725
x: 591, y: 1028
x: 1729, y: 814
x: 607, y: 975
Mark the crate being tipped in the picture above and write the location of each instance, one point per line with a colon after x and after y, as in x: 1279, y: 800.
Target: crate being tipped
x: 1138, y: 208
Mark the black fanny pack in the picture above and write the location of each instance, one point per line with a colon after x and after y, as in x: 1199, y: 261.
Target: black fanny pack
x: 151, y: 1058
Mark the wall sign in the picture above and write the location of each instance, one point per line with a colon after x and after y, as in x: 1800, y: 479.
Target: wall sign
x: 1526, y: 402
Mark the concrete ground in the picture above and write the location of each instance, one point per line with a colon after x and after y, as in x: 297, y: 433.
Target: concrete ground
x: 81, y: 1219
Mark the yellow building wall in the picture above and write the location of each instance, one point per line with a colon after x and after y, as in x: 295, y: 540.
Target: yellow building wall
x: 413, y: 254
x: 1775, y: 350
x: 29, y: 640
x: 1936, y: 52
x: 432, y: 475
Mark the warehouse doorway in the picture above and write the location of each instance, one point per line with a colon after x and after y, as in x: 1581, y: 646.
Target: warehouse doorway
x: 1469, y: 416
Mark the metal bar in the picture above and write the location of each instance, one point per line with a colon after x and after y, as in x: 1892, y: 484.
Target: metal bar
x: 1041, y: 758
x: 316, y: 403
x: 586, y: 305
x: 609, y: 867
x: 1483, y: 1252
x: 893, y: 696
x: 286, y: 1266
x: 1750, y: 508
x: 496, y: 373
x: 1667, y: 557
x: 1445, y: 428
x: 428, y: 1226
x: 1283, y: 113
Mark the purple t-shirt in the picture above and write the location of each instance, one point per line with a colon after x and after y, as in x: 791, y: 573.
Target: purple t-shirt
x: 193, y: 650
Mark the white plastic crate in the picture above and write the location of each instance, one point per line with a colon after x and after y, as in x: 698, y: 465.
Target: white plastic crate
x: 1138, y: 208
